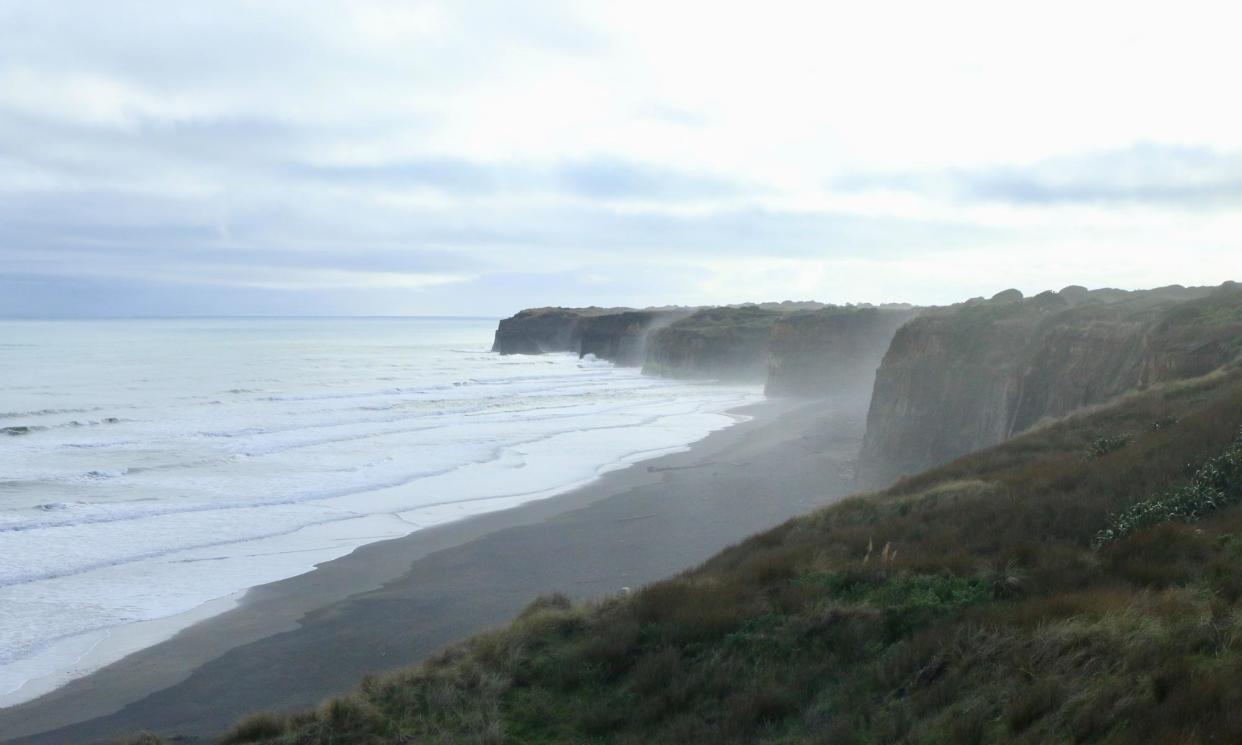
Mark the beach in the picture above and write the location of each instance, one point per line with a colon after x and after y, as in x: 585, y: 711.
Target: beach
x: 194, y: 460
x: 291, y: 643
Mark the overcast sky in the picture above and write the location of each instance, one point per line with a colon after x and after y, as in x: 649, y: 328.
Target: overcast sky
x: 470, y: 157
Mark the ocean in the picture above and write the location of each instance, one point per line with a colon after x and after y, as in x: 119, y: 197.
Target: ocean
x: 149, y: 468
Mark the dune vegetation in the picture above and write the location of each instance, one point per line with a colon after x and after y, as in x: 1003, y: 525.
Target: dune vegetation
x: 973, y: 603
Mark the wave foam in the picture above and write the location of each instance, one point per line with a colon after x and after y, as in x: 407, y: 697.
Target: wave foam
x: 158, y: 496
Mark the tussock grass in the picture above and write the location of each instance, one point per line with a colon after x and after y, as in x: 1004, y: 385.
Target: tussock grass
x: 258, y: 727
x: 142, y: 738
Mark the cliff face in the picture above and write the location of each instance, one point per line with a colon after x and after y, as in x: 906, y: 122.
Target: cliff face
x: 721, y: 343
x: 614, y: 334
x: 831, y: 352
x: 972, y: 375
x: 1192, y: 338
x: 621, y: 338
x: 538, y: 330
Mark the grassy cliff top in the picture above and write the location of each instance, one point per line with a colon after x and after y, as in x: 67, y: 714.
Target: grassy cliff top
x: 833, y: 313
x: 1104, y: 303
x: 593, y: 311
x: 1194, y: 322
x: 746, y: 318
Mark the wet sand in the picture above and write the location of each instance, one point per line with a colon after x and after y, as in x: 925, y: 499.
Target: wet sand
x: 290, y: 644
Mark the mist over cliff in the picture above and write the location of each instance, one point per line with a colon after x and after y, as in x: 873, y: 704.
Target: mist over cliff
x: 831, y: 352
x: 802, y: 349
x: 936, y: 382
x: 720, y: 343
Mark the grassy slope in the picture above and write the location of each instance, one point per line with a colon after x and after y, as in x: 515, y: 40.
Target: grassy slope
x: 963, y: 605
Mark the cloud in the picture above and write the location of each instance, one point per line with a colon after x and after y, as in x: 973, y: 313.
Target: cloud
x: 600, y: 178
x: 425, y: 156
x: 1148, y: 173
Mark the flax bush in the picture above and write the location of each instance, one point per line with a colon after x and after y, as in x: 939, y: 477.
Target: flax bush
x: 1216, y: 485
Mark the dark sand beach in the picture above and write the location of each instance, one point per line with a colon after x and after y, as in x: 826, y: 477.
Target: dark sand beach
x: 292, y: 643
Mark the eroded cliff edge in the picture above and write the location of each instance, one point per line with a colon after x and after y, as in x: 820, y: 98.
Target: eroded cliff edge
x: 971, y: 375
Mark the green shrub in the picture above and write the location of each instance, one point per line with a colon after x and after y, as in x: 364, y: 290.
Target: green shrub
x: 1215, y: 485
x: 1102, y: 446
x: 257, y: 727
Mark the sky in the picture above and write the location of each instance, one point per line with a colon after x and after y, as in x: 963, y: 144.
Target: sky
x: 311, y: 157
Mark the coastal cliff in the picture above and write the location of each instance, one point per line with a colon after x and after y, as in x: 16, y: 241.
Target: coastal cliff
x: 1192, y: 338
x: 802, y: 348
x: 950, y: 380
x: 726, y: 343
x: 972, y: 375
x: 538, y: 330
x: 832, y: 352
x: 614, y: 334
x: 621, y: 338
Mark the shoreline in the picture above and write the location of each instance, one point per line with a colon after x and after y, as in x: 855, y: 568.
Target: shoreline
x: 115, y: 644
x: 81, y: 655
x: 290, y: 643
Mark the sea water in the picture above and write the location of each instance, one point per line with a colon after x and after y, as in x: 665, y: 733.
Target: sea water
x: 149, y: 467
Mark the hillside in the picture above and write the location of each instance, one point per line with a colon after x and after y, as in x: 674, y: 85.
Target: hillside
x: 982, y: 601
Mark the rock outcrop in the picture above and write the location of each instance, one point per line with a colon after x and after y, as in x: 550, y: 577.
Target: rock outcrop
x: 832, y: 352
x: 968, y: 376
x: 726, y: 343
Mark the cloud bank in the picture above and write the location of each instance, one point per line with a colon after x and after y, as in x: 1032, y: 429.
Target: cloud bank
x: 472, y: 158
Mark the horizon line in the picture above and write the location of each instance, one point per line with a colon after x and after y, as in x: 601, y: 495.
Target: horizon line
x: 244, y: 317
